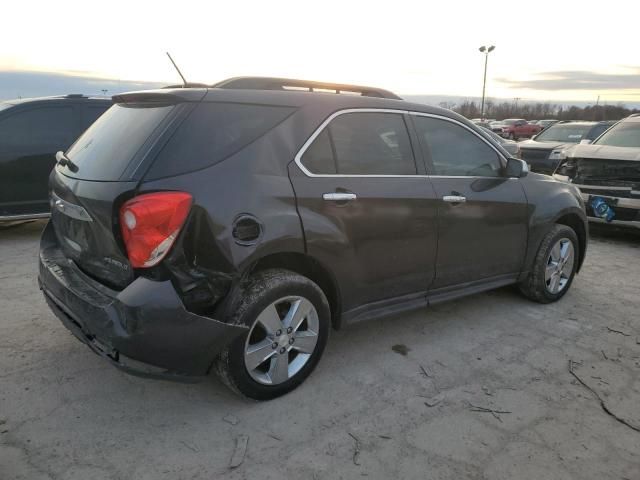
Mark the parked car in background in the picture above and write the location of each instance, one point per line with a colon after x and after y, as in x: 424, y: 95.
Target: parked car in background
x: 515, y: 128
x: 546, y: 123
x: 607, y: 172
x: 31, y: 132
x: 544, y: 151
x: 510, y: 146
x: 229, y: 228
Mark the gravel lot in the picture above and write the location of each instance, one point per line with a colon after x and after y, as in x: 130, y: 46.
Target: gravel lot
x: 390, y: 399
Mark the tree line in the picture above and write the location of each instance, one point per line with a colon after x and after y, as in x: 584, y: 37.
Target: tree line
x: 540, y: 111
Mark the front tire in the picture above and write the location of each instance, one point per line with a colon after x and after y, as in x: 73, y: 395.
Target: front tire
x: 554, y: 266
x: 288, y: 318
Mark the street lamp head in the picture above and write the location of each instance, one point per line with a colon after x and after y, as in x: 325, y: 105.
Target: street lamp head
x: 482, y: 48
x: 491, y: 48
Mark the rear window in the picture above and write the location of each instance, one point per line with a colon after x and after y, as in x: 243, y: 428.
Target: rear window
x: 213, y: 132
x: 105, y: 150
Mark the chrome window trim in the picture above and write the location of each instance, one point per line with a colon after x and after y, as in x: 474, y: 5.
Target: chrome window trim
x: 318, y: 131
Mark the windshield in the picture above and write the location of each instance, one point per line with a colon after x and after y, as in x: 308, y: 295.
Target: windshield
x: 624, y: 134
x: 566, y: 133
x: 105, y: 150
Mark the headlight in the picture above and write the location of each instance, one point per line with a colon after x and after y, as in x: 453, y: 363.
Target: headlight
x: 558, y: 155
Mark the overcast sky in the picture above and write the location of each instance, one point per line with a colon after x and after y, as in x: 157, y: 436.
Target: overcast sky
x: 548, y: 50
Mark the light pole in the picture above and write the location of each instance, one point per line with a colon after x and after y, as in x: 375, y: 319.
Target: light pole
x: 486, y: 51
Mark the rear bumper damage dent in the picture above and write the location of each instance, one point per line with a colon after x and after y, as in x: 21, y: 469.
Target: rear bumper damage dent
x: 143, y: 330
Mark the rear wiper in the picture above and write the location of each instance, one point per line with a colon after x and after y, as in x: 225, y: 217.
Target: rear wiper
x: 63, y: 160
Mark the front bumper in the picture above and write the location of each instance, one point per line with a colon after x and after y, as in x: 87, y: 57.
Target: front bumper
x: 627, y: 209
x: 144, y: 329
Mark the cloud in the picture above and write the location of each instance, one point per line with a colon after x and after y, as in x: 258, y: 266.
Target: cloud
x: 579, y: 80
x: 15, y: 84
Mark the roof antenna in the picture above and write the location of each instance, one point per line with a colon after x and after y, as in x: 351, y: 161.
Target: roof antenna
x: 176, y: 67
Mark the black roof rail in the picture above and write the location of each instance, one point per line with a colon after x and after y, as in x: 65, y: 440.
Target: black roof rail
x: 189, y: 85
x: 75, y: 95
x: 273, y: 83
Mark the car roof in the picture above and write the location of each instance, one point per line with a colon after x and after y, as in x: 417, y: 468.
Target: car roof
x: 270, y: 91
x: 57, y: 98
x: 632, y: 118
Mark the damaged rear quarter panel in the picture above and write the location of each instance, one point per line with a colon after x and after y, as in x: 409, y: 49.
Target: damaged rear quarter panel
x: 206, y: 260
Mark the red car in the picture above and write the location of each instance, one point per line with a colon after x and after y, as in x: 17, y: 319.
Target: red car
x: 515, y: 128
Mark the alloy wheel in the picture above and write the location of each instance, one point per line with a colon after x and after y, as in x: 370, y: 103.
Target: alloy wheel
x: 282, y: 340
x: 559, y: 266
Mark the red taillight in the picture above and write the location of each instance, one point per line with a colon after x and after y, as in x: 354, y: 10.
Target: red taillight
x: 150, y: 224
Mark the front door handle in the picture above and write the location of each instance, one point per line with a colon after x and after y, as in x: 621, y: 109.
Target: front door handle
x: 339, y: 197
x: 454, y: 199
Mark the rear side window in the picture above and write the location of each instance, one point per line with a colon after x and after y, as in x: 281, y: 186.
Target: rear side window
x: 105, y: 150
x: 366, y: 143
x: 455, y: 151
x: 46, y: 128
x: 213, y: 132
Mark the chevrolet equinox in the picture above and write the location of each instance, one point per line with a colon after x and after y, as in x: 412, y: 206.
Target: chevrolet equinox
x: 230, y: 228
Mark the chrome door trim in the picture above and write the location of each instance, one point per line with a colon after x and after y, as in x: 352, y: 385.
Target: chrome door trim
x: 339, y: 196
x: 25, y: 216
x: 454, y: 199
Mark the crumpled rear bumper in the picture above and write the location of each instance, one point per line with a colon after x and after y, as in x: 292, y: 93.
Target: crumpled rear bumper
x: 143, y: 329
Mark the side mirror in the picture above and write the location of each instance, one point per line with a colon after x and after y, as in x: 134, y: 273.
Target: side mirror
x: 516, y: 168
x: 585, y: 141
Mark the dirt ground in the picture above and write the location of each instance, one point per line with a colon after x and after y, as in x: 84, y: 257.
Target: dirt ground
x: 479, y: 388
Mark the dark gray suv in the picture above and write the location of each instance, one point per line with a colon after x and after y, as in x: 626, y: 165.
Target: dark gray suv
x: 229, y: 228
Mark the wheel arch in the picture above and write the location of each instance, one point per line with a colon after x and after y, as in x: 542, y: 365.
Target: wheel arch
x: 309, y: 267
x: 578, y: 225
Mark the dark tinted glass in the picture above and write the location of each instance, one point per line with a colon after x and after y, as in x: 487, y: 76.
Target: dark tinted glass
x: 456, y: 151
x: 319, y: 156
x: 105, y: 150
x: 213, y: 132
x: 91, y: 114
x: 46, y: 128
x: 596, y: 131
x: 372, y: 144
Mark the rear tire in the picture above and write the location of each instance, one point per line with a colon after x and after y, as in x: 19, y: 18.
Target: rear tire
x: 288, y: 317
x: 554, y: 267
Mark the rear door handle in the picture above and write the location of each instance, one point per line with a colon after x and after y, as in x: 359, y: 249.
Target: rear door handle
x: 339, y: 197
x: 454, y: 199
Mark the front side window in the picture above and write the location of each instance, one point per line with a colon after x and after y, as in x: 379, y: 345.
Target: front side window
x: 363, y: 143
x: 455, y: 151
x: 623, y: 134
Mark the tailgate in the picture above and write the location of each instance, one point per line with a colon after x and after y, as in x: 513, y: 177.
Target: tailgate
x: 84, y: 221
